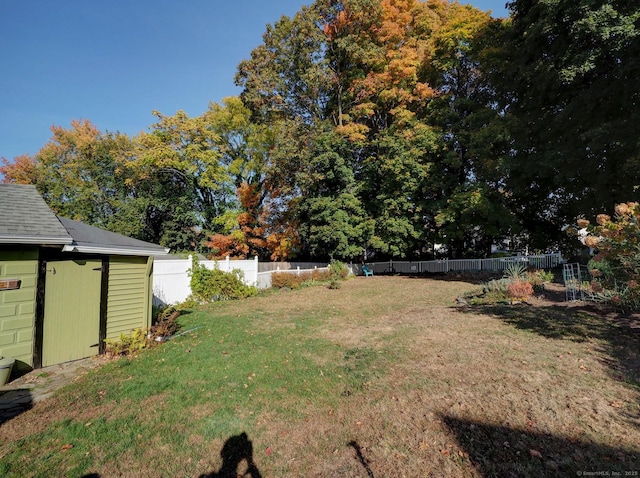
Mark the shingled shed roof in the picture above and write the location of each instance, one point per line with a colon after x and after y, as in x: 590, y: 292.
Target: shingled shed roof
x: 26, y: 219
x: 90, y: 239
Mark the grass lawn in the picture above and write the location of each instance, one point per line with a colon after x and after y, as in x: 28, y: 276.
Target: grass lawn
x: 383, y: 377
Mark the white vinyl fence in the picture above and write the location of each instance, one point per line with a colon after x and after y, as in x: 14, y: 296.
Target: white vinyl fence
x: 289, y: 266
x: 171, y: 280
x: 264, y: 278
x: 541, y: 261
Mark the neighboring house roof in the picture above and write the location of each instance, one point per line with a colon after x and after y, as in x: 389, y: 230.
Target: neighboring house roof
x: 26, y: 219
x: 90, y: 239
x: 183, y: 256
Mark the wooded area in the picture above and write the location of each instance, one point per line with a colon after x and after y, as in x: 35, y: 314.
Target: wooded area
x: 385, y: 126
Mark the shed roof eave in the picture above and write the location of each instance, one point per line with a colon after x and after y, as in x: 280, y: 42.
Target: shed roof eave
x: 36, y: 240
x: 118, y: 251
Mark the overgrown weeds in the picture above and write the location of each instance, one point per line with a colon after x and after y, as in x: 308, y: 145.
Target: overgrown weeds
x: 516, y: 284
x: 165, y: 325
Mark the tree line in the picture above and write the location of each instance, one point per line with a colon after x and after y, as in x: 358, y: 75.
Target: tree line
x: 378, y: 128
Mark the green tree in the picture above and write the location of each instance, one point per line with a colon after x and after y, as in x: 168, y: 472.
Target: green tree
x: 332, y: 221
x: 178, y: 164
x: 471, y: 208
x: 286, y: 76
x: 568, y: 84
x: 81, y: 173
x: 387, y: 74
x: 245, y: 149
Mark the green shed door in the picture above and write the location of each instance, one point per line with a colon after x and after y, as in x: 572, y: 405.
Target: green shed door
x: 71, y: 326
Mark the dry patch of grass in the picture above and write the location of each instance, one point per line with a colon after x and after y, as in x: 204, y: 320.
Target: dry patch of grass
x: 382, y: 377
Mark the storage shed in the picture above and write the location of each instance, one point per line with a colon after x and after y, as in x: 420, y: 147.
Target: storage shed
x: 66, y: 286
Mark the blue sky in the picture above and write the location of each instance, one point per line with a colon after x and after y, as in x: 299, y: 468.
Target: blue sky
x: 113, y: 62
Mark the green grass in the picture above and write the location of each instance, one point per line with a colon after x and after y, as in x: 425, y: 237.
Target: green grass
x: 383, y: 365
x: 225, y: 370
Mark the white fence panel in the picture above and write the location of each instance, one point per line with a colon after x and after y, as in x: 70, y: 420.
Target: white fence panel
x: 407, y: 267
x: 542, y: 261
x: 264, y: 280
x: 465, y: 264
x: 172, y: 284
x: 435, y: 266
x: 545, y: 261
x: 494, y: 264
x: 249, y: 268
x: 285, y: 266
x: 171, y: 281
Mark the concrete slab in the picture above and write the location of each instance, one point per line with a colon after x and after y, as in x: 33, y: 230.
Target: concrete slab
x: 23, y: 392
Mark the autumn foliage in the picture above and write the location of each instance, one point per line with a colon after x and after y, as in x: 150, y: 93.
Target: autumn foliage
x: 615, y: 268
x: 520, y: 289
x: 378, y: 128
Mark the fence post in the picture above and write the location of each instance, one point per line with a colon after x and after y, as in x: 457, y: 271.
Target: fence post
x: 298, y: 268
x: 227, y: 264
x: 446, y: 264
x: 257, y: 269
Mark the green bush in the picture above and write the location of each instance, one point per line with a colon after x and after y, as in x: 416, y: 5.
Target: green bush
x: 212, y: 285
x: 128, y: 344
x: 338, y: 269
x: 538, y: 278
x: 515, y: 272
x: 496, y: 286
x: 492, y: 297
x: 334, y: 283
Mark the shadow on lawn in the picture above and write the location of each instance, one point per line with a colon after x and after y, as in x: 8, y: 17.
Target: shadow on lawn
x: 361, y: 459
x: 619, y: 336
x: 235, y: 450
x: 500, y: 451
x: 13, y: 403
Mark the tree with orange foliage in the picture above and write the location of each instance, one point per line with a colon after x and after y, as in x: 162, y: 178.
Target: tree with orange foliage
x: 248, y: 239
x: 81, y: 175
x: 23, y: 170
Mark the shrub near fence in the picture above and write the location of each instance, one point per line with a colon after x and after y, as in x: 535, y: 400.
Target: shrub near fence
x: 171, y: 281
x: 275, y: 278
